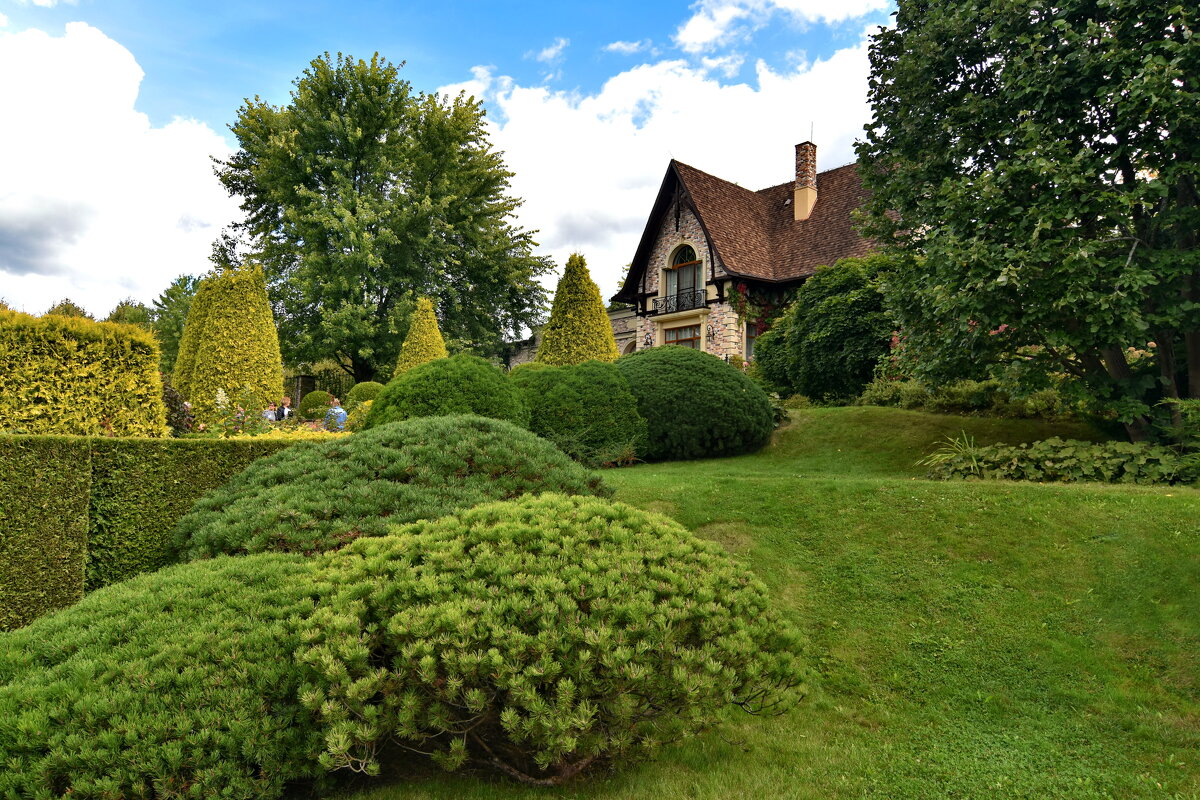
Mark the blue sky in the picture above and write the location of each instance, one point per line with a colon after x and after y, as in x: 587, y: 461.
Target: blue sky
x: 595, y: 95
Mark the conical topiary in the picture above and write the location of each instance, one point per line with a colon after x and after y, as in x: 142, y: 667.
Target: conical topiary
x: 424, y: 341
x: 230, y: 344
x: 578, y: 329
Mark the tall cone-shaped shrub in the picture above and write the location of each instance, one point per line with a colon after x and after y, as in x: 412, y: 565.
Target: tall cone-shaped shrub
x: 578, y: 329
x: 230, y: 344
x: 424, y: 340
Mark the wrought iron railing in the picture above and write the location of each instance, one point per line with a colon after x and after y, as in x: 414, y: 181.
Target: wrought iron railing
x: 684, y: 301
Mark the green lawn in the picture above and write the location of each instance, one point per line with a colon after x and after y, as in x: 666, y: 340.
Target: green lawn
x: 968, y: 640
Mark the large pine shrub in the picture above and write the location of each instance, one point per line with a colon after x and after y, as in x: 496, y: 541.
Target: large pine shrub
x: 461, y: 384
x: 230, y: 344
x: 320, y: 495
x: 578, y: 329
x: 696, y: 405
x: 70, y: 375
x: 424, y: 341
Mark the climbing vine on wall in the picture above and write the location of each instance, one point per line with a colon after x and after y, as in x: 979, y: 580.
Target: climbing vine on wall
x: 757, y: 306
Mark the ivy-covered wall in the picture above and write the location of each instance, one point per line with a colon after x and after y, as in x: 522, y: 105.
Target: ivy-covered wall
x: 79, y: 513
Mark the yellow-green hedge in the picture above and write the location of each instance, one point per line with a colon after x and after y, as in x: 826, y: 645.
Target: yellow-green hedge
x: 69, y: 375
x: 578, y: 329
x: 84, y: 512
x: 230, y: 343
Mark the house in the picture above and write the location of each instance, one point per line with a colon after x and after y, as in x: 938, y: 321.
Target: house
x: 711, y: 248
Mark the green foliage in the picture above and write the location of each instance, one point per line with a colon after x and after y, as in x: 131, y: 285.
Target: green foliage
x: 541, y: 637
x: 696, y: 405
x: 67, y: 308
x: 44, y: 482
x: 176, y: 684
x: 586, y: 410
x: 61, y: 374
x: 320, y: 495
x: 578, y: 329
x: 837, y: 330
x: 85, y: 512
x: 424, y: 342
x: 1010, y: 148
x: 314, y: 405
x: 357, y: 419
x: 772, y: 364
x: 131, y: 312
x: 361, y: 196
x: 461, y: 384
x: 180, y: 418
x: 991, y: 397
x: 1058, y: 460
x: 169, y: 312
x: 230, y: 344
x: 361, y: 393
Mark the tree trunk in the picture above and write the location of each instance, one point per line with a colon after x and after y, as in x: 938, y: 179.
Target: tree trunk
x: 1168, y: 369
x: 1137, y: 429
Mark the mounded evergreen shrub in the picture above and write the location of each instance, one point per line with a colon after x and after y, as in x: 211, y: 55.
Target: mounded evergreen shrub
x: 230, y: 344
x: 461, y: 384
x: 314, y: 405
x: 696, y: 405
x: 71, y: 375
x: 424, y: 342
x: 578, y: 329
x: 542, y: 637
x: 321, y: 495
x: 362, y: 393
x: 586, y: 410
x: 181, y: 683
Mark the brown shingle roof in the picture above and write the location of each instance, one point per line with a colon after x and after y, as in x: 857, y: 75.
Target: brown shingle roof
x: 755, y: 234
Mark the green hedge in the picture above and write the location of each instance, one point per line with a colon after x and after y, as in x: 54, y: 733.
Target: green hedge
x: 44, y: 483
x: 83, y: 512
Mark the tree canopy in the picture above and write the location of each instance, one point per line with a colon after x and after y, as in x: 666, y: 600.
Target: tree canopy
x: 362, y: 196
x: 1044, y: 160
x: 169, y: 312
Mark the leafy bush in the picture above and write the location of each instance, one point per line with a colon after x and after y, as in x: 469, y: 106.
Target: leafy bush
x: 461, y: 384
x: 320, y: 495
x: 586, y: 410
x: 70, y: 375
x: 423, y: 342
x: 179, y: 412
x: 181, y: 683
x: 987, y: 397
x: 772, y: 364
x: 578, y: 329
x: 695, y: 404
x: 357, y: 418
x: 542, y: 637
x: 314, y: 405
x: 1058, y: 460
x: 361, y: 393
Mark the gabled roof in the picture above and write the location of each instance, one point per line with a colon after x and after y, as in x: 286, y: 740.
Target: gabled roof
x: 755, y: 234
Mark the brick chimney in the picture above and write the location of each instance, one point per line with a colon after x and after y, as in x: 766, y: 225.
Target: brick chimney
x: 805, y: 195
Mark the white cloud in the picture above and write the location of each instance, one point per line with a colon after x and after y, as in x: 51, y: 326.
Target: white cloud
x: 96, y: 203
x: 47, y: 3
x: 729, y: 65
x: 588, y: 166
x: 718, y: 23
x: 628, y: 48
x: 3, y: 21
x: 553, y: 53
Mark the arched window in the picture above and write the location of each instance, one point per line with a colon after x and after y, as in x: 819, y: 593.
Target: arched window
x: 684, y: 275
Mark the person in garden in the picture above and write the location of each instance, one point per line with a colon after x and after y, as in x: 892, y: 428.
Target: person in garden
x: 284, y: 410
x: 269, y: 413
x: 335, y: 417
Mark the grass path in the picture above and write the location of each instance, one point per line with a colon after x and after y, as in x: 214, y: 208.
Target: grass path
x: 968, y: 640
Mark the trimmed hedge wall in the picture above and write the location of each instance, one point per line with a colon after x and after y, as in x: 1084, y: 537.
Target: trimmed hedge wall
x: 83, y: 512
x: 66, y: 375
x: 44, y: 483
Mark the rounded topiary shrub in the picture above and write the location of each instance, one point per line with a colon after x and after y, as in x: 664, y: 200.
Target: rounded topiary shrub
x: 179, y: 683
x: 586, y: 410
x: 361, y: 393
x: 541, y: 636
x: 696, y: 405
x: 314, y: 405
x: 461, y: 384
x: 318, y: 496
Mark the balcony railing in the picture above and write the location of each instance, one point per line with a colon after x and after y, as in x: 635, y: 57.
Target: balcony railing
x: 684, y: 301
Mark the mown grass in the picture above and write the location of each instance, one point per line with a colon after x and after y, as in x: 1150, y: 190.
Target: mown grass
x: 968, y: 640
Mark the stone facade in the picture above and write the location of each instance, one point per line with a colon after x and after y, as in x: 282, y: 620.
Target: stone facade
x: 671, y: 236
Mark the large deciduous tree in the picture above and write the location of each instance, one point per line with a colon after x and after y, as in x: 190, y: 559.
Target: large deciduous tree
x: 1044, y: 158
x: 360, y: 197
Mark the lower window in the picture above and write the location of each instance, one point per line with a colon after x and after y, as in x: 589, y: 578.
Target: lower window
x: 687, y: 336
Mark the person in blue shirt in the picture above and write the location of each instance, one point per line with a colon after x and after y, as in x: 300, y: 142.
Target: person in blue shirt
x: 335, y: 417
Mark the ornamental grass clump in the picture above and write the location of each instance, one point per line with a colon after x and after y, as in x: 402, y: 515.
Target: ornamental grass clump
x: 540, y: 637
x: 318, y: 496
x: 179, y: 683
x: 461, y: 384
x: 696, y: 405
